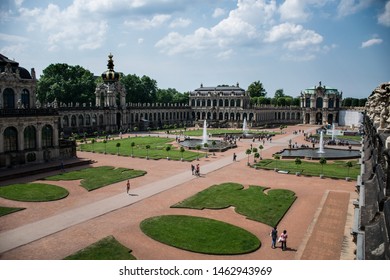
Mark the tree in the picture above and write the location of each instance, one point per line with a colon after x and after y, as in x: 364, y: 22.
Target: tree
x: 256, y: 89
x: 147, y: 151
x: 132, y: 144
x: 66, y: 84
x: 298, y: 162
x: 248, y: 152
x: 279, y: 93
x: 256, y: 156
x: 322, y: 162
x: 198, y: 147
x: 349, y: 165
x: 117, y: 146
x: 182, y: 152
x: 260, y: 148
x: 93, y: 144
x: 105, y: 146
x: 254, y: 151
x: 168, y: 148
x: 206, y: 146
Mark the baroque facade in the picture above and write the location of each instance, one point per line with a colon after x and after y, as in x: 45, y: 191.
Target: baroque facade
x: 28, y: 132
x: 321, y: 105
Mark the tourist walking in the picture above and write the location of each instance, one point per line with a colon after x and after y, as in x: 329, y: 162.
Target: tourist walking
x: 197, y: 172
x: 283, y: 240
x: 193, y: 169
x: 234, y: 157
x: 274, y: 236
x: 128, y: 186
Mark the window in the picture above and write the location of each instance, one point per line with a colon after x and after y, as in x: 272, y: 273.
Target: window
x: 10, y: 139
x: 9, y: 98
x: 26, y: 98
x: 30, y: 142
x: 47, y: 136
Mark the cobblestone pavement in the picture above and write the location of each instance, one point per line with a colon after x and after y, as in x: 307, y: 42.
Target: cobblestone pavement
x: 318, y: 223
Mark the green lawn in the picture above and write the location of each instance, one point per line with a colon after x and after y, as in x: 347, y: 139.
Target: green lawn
x: 157, y: 148
x: 200, y: 235
x: 251, y: 202
x: 97, y: 177
x: 8, y: 210
x: 33, y: 192
x: 105, y: 249
x: 336, y: 169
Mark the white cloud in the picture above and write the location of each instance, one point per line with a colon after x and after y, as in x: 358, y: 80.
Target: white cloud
x: 371, y: 42
x: 180, y: 22
x: 218, y: 12
x: 140, y: 41
x: 293, y: 10
x: 12, y: 38
x: 243, y: 25
x: 225, y: 54
x: 68, y: 28
x: 349, y: 7
x: 295, y: 37
x: 154, y: 22
x: 384, y: 18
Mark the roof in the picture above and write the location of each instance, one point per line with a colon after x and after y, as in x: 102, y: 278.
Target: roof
x: 23, y: 72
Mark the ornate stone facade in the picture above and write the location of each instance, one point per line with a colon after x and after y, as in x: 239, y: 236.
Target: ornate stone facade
x: 28, y: 132
x: 321, y: 105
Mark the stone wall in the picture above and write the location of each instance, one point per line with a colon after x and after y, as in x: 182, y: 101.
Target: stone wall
x: 372, y: 213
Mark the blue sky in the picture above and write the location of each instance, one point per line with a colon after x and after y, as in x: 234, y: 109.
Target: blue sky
x: 289, y: 45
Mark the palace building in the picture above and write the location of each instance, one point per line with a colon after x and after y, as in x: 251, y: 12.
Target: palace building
x: 32, y: 132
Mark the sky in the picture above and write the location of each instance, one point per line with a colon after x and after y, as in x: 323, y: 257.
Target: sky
x: 290, y: 45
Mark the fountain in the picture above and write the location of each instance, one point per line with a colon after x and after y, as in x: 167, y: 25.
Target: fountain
x: 204, y: 136
x: 333, y: 132
x: 321, y: 149
x: 244, y: 127
x: 212, y: 145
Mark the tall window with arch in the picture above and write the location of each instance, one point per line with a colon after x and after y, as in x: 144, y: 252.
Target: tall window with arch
x: 10, y: 139
x: 30, y: 140
x: 47, y: 136
x: 25, y: 98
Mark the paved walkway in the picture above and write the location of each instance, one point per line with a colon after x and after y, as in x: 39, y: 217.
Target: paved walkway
x: 86, y: 217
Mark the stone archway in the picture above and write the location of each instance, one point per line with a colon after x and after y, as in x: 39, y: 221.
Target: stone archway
x: 319, y: 118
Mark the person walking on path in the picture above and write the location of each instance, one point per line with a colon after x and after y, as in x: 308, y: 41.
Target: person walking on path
x: 283, y: 240
x: 128, y: 186
x: 197, y: 172
x: 274, y: 236
x: 193, y: 169
x: 234, y: 156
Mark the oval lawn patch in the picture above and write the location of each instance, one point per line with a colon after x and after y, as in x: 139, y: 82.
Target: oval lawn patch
x: 200, y: 235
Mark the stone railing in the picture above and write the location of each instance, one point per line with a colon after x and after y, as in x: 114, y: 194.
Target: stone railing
x: 371, y: 228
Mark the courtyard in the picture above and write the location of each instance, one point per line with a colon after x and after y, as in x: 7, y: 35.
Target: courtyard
x: 318, y: 222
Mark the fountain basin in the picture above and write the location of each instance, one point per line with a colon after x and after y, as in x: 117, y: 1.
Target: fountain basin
x: 220, y: 146
x: 328, y: 153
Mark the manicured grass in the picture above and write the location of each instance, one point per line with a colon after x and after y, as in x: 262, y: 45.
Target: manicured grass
x: 157, y: 148
x: 332, y: 169
x: 251, y: 202
x: 105, y: 249
x: 34, y: 192
x: 200, y: 235
x: 97, y: 177
x: 8, y: 210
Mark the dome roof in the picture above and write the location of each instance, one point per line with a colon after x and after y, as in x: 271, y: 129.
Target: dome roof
x: 110, y: 76
x: 14, y: 66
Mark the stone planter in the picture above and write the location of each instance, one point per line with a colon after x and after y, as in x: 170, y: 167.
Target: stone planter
x: 298, y: 173
x: 322, y: 176
x: 347, y: 179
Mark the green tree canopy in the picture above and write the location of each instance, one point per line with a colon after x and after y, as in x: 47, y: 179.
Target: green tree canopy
x: 256, y: 89
x: 139, y: 89
x: 67, y: 84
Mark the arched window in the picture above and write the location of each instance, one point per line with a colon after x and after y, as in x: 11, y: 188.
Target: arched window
x: 47, y: 136
x: 30, y: 140
x: 10, y: 139
x: 101, y: 120
x: 198, y: 103
x: 26, y: 98
x: 65, y: 121
x: 9, y: 98
x: 331, y: 103
x: 319, y: 102
x: 337, y: 103
x: 226, y: 102
x: 220, y: 116
x: 208, y: 102
x: 203, y: 103
x: 81, y: 120
x: 238, y: 103
x: 232, y: 103
x: 238, y: 117
x: 193, y: 102
x: 307, y: 105
x: 73, y: 121
x: 94, y: 120
x: 220, y: 103
x: 215, y: 103
x: 88, y: 120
